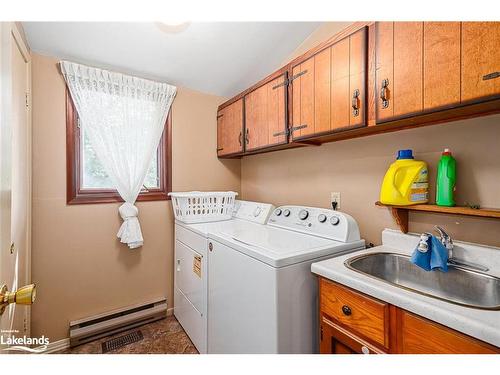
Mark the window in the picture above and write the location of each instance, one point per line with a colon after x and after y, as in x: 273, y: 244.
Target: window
x: 87, y: 182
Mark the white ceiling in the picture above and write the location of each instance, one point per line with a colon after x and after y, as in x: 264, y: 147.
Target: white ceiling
x: 221, y: 58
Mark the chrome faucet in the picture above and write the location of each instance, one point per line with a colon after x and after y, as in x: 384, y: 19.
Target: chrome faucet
x: 445, y: 240
x: 448, y: 244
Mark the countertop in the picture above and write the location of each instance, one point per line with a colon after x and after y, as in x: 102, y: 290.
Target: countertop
x: 481, y: 324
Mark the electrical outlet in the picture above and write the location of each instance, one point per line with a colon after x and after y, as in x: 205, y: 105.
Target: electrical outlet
x: 335, y: 197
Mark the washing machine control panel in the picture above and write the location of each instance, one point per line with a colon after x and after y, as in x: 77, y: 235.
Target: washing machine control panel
x: 316, y: 221
x: 256, y: 212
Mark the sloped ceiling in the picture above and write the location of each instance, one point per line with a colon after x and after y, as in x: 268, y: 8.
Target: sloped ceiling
x: 221, y: 58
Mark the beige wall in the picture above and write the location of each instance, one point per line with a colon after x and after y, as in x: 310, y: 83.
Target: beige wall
x: 356, y: 167
x: 77, y: 262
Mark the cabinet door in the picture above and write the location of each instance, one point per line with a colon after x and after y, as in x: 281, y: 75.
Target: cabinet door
x: 348, y: 72
x: 417, y: 335
x: 303, y: 99
x: 480, y: 60
x: 357, y: 77
x: 337, y: 340
x: 441, y: 64
x: 399, y: 69
x: 230, y: 129
x: 265, y: 115
x: 328, y: 89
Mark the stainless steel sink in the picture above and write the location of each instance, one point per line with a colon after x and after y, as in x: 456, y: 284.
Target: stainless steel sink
x: 459, y: 285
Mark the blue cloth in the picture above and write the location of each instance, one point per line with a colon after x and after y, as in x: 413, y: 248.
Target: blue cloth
x: 439, y: 255
x: 423, y: 260
x: 436, y: 256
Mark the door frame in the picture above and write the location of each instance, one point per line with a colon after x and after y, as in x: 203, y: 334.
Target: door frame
x: 11, y: 32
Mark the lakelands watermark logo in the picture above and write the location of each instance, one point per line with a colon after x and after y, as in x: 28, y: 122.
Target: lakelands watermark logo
x: 23, y: 343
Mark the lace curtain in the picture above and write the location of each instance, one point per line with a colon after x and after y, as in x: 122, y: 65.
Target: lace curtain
x: 124, y: 117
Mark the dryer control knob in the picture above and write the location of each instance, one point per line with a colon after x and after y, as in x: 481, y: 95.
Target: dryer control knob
x: 303, y: 214
x: 334, y: 220
x: 321, y: 218
x: 286, y: 212
x: 277, y: 212
x: 257, y: 211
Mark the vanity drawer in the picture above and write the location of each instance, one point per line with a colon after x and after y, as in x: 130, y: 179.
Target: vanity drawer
x: 364, y: 315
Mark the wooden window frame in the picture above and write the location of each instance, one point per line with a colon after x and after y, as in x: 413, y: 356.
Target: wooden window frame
x: 76, y: 195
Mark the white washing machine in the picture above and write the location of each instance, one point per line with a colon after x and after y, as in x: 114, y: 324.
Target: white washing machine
x: 262, y: 296
x: 191, y: 260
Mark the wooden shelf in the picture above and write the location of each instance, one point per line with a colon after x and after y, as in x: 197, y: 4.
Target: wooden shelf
x: 400, y: 213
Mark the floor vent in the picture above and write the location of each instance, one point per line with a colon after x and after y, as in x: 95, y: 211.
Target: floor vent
x: 113, y: 322
x: 120, y: 342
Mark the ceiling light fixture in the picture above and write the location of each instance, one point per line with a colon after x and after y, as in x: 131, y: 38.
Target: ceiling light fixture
x: 172, y: 27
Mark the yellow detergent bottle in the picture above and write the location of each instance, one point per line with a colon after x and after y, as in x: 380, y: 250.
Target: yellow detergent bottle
x: 406, y: 181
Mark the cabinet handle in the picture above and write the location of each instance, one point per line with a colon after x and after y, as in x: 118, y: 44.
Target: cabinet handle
x: 491, y: 76
x: 240, y: 137
x: 220, y: 149
x: 210, y: 246
x: 383, y: 93
x: 346, y: 310
x: 292, y: 78
x: 219, y: 116
x: 284, y: 132
x: 355, y: 105
x: 247, y: 137
x: 295, y: 128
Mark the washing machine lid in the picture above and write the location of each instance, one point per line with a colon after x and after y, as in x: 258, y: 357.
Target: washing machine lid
x: 279, y: 247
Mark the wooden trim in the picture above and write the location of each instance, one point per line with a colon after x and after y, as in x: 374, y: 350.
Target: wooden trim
x: 76, y: 195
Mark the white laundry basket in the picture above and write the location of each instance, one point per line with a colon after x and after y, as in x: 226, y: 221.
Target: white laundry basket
x: 202, y: 207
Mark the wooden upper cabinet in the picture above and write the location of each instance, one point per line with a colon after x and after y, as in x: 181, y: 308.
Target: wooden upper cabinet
x: 441, y: 72
x: 399, y: 69
x: 329, y: 88
x: 265, y: 115
x: 230, y: 129
x: 423, y: 67
x: 480, y: 60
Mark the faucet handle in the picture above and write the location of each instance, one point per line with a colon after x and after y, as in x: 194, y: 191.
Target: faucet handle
x: 442, y: 233
x: 445, y: 240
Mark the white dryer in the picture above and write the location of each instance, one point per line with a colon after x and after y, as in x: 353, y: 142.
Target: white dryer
x: 191, y: 265
x: 262, y: 296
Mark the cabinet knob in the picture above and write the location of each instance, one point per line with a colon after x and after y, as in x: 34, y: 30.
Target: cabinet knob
x: 383, y: 93
x: 365, y: 350
x: 346, y: 310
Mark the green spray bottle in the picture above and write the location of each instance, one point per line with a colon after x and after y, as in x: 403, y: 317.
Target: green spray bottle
x: 446, y: 179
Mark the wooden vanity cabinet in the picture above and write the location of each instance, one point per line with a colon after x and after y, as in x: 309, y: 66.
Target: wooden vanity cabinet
x: 230, y: 129
x: 265, y: 115
x: 352, y: 322
x: 328, y: 90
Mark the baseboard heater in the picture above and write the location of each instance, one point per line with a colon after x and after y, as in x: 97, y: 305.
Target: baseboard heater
x: 109, y: 323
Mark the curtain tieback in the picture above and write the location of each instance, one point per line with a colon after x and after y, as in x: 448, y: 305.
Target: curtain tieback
x: 130, y: 230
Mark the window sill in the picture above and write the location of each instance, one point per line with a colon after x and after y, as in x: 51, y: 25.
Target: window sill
x: 106, y: 196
